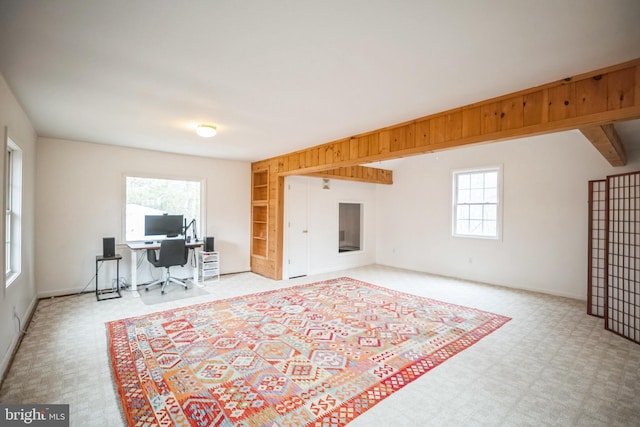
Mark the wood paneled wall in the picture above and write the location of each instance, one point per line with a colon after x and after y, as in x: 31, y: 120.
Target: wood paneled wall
x: 597, y: 98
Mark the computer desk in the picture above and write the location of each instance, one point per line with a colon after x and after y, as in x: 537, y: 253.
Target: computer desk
x: 135, y: 247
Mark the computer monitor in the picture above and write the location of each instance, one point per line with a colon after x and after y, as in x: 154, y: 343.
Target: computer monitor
x: 163, y: 225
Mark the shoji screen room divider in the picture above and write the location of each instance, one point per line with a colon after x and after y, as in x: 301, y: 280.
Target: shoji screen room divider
x: 614, y: 253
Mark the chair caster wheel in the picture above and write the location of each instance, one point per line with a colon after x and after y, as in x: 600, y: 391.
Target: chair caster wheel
x: 162, y: 292
x: 146, y: 289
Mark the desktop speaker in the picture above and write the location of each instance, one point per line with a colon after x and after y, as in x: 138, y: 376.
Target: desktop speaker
x: 108, y: 247
x: 208, y: 244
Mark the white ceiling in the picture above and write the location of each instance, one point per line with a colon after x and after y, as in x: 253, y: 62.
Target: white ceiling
x: 276, y: 76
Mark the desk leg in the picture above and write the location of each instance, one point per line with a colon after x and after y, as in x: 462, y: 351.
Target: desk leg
x: 97, y: 294
x: 118, y: 277
x: 196, y: 268
x: 134, y: 271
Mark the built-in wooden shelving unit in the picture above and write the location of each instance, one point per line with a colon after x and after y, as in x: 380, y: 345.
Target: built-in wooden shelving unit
x: 259, y: 213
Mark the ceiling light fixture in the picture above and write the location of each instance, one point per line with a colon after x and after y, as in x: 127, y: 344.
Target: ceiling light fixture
x: 206, y: 131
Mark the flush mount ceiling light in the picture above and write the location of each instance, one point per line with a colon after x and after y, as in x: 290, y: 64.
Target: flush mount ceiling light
x: 206, y: 131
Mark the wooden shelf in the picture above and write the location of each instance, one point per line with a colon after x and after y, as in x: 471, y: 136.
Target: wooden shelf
x: 259, y: 230
x: 260, y: 186
x: 259, y: 213
x: 259, y: 247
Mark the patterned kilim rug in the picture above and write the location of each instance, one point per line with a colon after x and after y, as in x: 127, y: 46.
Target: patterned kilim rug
x: 311, y: 355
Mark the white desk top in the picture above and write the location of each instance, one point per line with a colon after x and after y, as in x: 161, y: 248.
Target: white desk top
x: 139, y: 246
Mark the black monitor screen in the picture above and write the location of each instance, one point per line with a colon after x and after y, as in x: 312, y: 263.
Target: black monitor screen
x: 163, y: 225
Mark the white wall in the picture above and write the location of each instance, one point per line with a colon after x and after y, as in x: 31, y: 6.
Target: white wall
x: 544, y: 241
x: 323, y: 224
x: 80, y: 200
x: 21, y: 294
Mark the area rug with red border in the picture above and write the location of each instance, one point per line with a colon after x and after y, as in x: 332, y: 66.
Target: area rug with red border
x: 310, y: 355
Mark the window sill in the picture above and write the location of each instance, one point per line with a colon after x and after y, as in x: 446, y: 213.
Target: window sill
x: 11, y: 277
x: 475, y: 236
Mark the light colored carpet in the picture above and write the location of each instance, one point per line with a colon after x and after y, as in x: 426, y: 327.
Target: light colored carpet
x: 552, y: 365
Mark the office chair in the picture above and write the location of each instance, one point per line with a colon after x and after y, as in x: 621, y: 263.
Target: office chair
x: 173, y: 252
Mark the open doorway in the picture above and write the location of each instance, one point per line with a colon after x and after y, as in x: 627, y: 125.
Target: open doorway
x: 349, y: 227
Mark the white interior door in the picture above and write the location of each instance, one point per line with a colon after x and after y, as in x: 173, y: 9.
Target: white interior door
x: 296, y: 199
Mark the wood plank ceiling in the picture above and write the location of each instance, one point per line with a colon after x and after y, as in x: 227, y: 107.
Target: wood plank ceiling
x: 590, y: 102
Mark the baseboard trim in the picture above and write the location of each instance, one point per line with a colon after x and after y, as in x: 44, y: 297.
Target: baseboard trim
x: 504, y: 286
x: 5, y: 365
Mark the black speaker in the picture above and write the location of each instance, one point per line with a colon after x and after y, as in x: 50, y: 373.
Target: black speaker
x: 208, y: 244
x: 108, y: 247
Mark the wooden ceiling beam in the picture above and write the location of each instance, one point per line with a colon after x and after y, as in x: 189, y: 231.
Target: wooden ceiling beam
x: 607, y: 142
x: 595, y: 98
x: 357, y: 173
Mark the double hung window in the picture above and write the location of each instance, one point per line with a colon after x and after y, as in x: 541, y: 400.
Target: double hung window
x: 13, y: 209
x: 476, y: 203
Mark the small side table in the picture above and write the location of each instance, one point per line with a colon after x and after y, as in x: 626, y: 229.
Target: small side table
x: 103, y: 294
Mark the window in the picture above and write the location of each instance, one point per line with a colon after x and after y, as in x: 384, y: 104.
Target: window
x: 13, y: 202
x: 476, y: 195
x: 156, y: 196
x: 349, y: 227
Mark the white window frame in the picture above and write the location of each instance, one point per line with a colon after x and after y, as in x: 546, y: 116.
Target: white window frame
x: 200, y: 222
x: 13, y: 211
x: 479, y: 203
